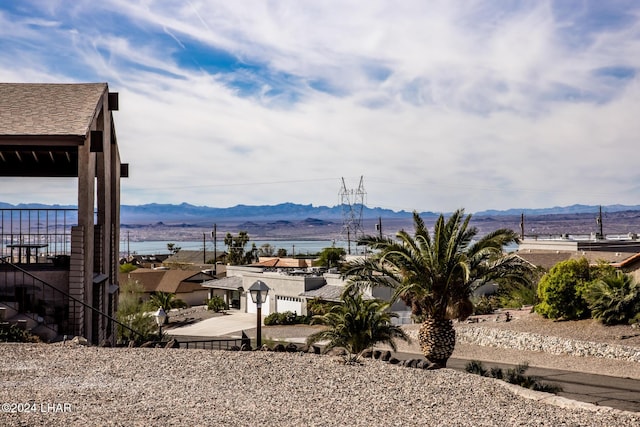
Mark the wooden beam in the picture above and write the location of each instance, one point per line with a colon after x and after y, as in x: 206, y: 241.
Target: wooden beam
x: 113, y: 101
x: 96, y: 141
x: 124, y: 170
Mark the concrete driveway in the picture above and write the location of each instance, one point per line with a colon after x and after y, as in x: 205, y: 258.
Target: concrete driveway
x: 217, y: 326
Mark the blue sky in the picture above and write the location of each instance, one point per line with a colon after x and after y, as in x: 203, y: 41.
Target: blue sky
x: 438, y: 104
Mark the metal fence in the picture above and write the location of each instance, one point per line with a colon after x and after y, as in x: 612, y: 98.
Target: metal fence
x: 36, y: 235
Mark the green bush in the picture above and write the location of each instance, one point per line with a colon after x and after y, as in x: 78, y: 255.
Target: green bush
x: 517, y: 296
x: 614, y: 299
x: 12, y: 333
x: 285, y: 318
x: 560, y: 291
x: 132, y: 312
x: 484, y: 305
x: 216, y: 303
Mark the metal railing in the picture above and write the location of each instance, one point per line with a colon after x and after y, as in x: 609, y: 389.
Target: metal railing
x: 37, y: 235
x: 47, y: 305
x: 212, y: 344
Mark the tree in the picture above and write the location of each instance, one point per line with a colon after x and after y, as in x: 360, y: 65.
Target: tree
x: 236, y: 249
x: 560, y: 290
x: 357, y: 324
x: 614, y: 299
x: 330, y: 257
x: 435, y: 274
x: 166, y: 300
x: 266, y: 250
x: 173, y: 249
x: 282, y: 253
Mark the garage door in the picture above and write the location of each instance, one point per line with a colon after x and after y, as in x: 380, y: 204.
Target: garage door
x: 251, y: 307
x: 292, y: 304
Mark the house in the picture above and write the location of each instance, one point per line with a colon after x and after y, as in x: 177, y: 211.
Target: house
x: 623, y: 254
x: 289, y: 289
x: 185, y: 284
x: 195, y: 259
x: 59, y: 267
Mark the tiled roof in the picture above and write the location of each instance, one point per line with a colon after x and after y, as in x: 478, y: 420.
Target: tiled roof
x: 41, y: 109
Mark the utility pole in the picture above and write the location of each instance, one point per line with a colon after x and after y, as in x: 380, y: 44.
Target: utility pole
x: 214, y: 234
x: 522, y: 226
x: 128, y: 249
x: 599, y: 223
x: 379, y: 226
x: 204, y: 248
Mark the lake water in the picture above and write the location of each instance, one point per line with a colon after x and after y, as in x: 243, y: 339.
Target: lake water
x: 296, y: 247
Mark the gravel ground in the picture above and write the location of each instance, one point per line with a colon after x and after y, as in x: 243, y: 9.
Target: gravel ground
x: 68, y: 384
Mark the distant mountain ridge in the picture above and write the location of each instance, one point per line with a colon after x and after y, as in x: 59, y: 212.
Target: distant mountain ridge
x: 187, y: 213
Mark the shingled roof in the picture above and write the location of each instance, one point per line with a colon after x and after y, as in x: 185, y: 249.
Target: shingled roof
x: 45, y: 109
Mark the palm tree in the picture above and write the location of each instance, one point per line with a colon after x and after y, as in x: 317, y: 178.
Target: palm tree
x: 166, y: 300
x: 436, y: 274
x: 614, y: 299
x: 357, y: 324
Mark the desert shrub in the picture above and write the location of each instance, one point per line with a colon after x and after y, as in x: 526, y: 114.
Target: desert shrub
x: 614, y: 299
x: 216, y: 303
x: 560, y: 291
x: 12, y: 333
x: 133, y: 313
x: 484, y: 305
x: 513, y: 376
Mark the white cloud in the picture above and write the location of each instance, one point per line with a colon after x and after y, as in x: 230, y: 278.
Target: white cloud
x: 439, y: 105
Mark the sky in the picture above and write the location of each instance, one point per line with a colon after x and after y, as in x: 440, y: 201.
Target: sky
x: 437, y: 105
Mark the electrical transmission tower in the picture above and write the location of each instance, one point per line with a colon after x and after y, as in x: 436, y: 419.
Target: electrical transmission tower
x: 352, y: 202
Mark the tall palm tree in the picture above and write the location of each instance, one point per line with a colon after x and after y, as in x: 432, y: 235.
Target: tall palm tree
x: 357, y: 324
x: 436, y: 274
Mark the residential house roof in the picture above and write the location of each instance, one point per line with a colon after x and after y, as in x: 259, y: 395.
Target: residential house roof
x: 45, y: 109
x: 171, y: 281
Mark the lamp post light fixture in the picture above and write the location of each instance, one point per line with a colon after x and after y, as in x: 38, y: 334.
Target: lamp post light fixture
x: 259, y: 291
x: 160, y: 316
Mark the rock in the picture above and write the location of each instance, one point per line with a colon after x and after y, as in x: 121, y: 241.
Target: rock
x: 367, y: 354
x: 377, y: 354
x: 315, y: 349
x: 131, y: 344
x: 148, y: 344
x: 337, y: 351
x: 279, y: 348
x: 80, y: 340
x: 422, y: 364
x: 105, y: 343
x: 265, y: 348
x: 291, y: 348
x: 386, y: 356
x: 393, y: 361
x: 234, y: 348
x: 173, y: 343
x: 245, y: 347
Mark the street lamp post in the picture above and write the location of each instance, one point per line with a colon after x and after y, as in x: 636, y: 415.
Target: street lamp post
x: 160, y: 316
x: 259, y: 291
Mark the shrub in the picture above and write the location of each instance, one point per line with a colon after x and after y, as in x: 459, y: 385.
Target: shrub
x: 285, y: 318
x: 216, y: 303
x: 513, y: 376
x: 132, y: 312
x: 614, y: 299
x: 484, y: 305
x: 517, y: 296
x: 12, y: 333
x: 560, y: 291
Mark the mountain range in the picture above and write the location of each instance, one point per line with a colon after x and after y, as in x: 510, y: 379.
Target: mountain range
x: 191, y: 214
